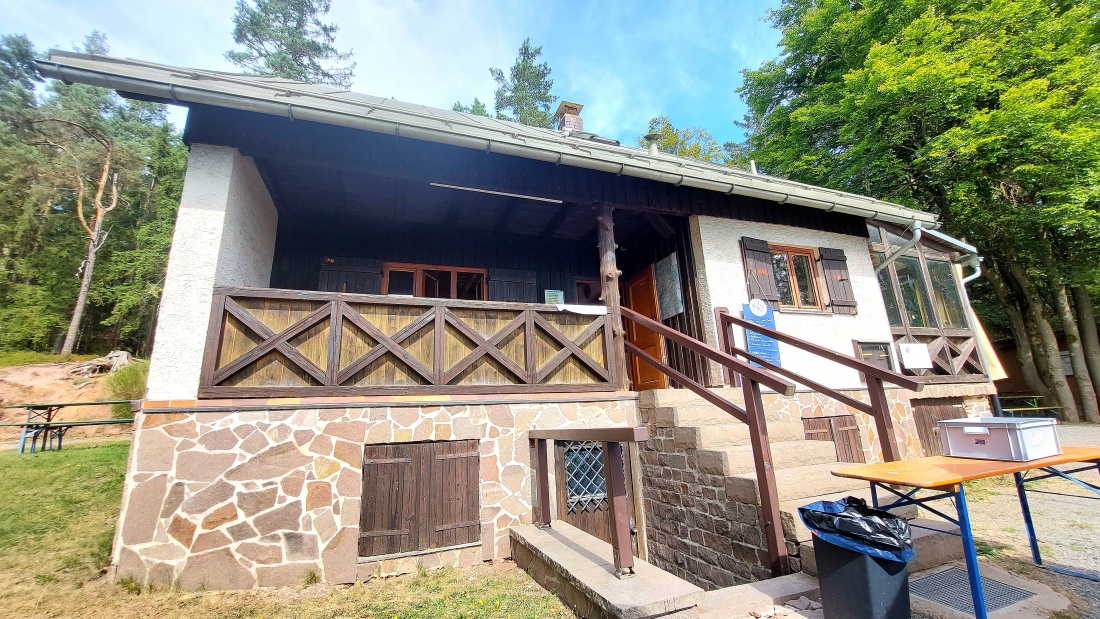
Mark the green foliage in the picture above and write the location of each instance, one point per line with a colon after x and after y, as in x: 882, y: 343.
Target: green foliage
x: 687, y: 142
x: 477, y: 107
x: 127, y: 383
x: 287, y: 38
x: 31, y: 357
x: 46, y: 141
x: 523, y: 95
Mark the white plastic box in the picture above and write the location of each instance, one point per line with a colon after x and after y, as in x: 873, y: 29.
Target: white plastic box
x: 1000, y: 438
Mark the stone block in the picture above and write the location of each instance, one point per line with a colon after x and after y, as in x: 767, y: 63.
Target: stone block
x: 202, y: 466
x: 318, y: 494
x: 285, y: 575
x: 155, y: 451
x: 218, y: 517
x: 209, y: 541
x: 340, y: 556
x: 143, y: 510
x: 215, y: 570
x: 252, y: 503
x: 287, y: 517
x: 273, y: 463
x: 182, y: 530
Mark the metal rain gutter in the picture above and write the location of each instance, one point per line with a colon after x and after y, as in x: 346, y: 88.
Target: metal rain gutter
x: 918, y: 231
x: 551, y: 151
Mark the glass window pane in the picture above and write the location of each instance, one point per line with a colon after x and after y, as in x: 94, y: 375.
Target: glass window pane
x: 948, y: 302
x: 437, y: 284
x: 401, y: 282
x: 804, y: 277
x: 783, y: 278
x: 894, y: 241
x: 874, y: 233
x: 893, y: 313
x: 914, y: 293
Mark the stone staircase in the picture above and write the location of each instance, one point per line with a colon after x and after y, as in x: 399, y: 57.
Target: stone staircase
x: 716, y: 451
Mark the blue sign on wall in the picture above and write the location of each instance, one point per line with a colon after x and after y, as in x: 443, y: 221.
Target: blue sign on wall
x: 760, y: 313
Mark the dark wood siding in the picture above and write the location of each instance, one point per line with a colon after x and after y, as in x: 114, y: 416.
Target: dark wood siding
x: 926, y: 412
x: 418, y: 496
x: 555, y: 264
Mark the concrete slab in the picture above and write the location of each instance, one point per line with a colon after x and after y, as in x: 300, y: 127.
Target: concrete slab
x: 579, y: 568
x: 1045, y: 601
x: 742, y: 599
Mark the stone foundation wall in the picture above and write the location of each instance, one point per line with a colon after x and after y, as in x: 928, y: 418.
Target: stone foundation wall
x: 233, y: 500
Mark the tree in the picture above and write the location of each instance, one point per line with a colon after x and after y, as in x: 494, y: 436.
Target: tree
x: 287, y: 38
x: 477, y: 108
x: 687, y: 142
x: 983, y: 112
x: 523, y: 95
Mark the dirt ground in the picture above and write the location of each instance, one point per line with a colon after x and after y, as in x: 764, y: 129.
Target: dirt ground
x: 48, y: 383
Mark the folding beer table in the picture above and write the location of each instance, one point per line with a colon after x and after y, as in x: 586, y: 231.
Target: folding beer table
x: 945, y: 475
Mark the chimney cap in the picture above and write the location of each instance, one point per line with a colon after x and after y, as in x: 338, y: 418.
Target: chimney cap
x: 568, y: 107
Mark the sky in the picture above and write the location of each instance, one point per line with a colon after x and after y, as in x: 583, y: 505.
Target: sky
x: 625, y: 61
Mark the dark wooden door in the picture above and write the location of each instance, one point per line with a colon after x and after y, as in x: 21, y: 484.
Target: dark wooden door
x: 418, y: 496
x: 926, y: 413
x: 842, y: 431
x: 641, y: 296
x: 582, y: 488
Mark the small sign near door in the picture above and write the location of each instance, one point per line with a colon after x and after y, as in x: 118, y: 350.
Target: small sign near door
x: 760, y: 313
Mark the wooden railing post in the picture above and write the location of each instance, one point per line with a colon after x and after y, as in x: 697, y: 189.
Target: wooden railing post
x: 884, y: 422
x: 724, y: 344
x: 765, y: 478
x: 619, y: 513
x: 542, y: 470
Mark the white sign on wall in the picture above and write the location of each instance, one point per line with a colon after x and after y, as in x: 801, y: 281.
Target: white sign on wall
x: 915, y: 356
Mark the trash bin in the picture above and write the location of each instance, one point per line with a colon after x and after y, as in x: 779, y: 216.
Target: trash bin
x: 862, y: 559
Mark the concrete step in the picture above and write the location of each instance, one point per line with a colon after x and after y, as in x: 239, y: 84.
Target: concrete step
x: 655, y: 398
x: 794, y: 483
x: 740, y: 600
x: 788, y: 454
x: 795, y: 531
x: 695, y: 415
x: 933, y: 546
x: 722, y: 436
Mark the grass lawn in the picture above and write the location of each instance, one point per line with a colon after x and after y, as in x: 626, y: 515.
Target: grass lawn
x: 30, y: 357
x: 57, y: 519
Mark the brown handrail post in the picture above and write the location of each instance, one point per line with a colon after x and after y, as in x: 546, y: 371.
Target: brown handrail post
x: 765, y: 478
x: 609, y: 292
x: 884, y: 422
x: 724, y: 344
x: 619, y: 513
x: 542, y: 466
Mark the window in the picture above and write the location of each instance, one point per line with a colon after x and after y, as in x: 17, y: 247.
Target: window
x: 949, y: 303
x: 893, y: 313
x: 795, y: 278
x: 435, y: 282
x: 875, y: 353
x: 914, y: 292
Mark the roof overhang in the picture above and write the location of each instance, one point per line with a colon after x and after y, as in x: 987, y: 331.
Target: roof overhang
x: 299, y: 101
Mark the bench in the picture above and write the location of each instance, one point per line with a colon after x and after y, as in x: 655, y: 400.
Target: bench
x: 1027, y: 406
x: 41, y: 422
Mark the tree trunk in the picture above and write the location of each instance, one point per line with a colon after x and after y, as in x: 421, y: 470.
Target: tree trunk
x: 1047, y: 347
x: 1086, y: 324
x: 1024, y: 353
x: 1076, y: 353
x: 85, y: 285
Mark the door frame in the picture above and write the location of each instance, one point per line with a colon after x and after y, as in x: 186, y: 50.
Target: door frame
x: 649, y: 271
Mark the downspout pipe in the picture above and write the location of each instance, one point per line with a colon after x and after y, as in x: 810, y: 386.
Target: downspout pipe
x: 918, y: 231
x: 974, y: 262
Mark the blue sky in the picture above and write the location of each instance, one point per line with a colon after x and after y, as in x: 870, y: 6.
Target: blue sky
x: 626, y: 61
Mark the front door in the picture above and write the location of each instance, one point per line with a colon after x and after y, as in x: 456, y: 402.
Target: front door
x: 641, y: 296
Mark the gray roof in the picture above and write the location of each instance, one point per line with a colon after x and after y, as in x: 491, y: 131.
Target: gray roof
x: 280, y: 97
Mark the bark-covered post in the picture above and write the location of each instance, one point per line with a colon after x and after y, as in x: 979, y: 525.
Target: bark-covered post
x: 609, y: 292
x: 1086, y: 323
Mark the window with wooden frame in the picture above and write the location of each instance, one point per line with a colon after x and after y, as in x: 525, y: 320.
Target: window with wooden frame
x: 795, y: 277
x: 434, y: 281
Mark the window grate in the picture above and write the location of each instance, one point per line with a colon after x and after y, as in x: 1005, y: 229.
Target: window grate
x: 585, y: 484
x: 952, y: 588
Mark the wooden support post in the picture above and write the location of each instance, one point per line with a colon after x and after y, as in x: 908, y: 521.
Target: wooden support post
x: 609, y: 293
x: 619, y: 513
x: 542, y: 466
x: 765, y: 478
x: 884, y: 422
x: 724, y: 344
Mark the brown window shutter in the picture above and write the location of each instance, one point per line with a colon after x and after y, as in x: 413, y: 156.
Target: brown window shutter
x: 388, y: 521
x: 758, y: 270
x: 837, y: 281
x: 455, y: 497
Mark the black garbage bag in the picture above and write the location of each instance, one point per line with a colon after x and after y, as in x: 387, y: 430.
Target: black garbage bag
x: 850, y: 523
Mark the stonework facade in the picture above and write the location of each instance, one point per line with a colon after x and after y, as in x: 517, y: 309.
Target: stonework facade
x: 231, y: 500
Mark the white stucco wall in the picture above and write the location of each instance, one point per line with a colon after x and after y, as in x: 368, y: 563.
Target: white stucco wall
x: 224, y: 236
x: 721, y: 268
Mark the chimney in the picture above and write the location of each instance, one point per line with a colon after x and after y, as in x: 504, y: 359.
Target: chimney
x: 569, y: 116
x: 651, y: 141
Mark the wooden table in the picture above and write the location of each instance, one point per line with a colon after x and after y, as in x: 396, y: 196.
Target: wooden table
x: 944, y: 475
x: 41, y: 422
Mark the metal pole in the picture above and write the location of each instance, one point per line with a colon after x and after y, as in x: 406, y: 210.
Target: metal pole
x: 971, y: 555
x: 1028, y: 523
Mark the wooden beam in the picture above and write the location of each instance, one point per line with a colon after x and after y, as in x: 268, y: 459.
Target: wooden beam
x: 609, y: 293
x: 619, y: 513
x: 542, y: 470
x: 558, y: 219
x: 622, y: 435
x: 771, y: 523
x: 660, y: 224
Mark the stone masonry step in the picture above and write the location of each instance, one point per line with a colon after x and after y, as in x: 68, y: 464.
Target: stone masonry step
x: 795, y: 531
x: 794, y: 483
x: 934, y: 543
x: 701, y: 414
x: 722, y: 436
x: 786, y: 454
x: 655, y: 398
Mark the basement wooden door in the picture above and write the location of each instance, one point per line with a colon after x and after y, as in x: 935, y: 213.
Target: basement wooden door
x: 582, y: 489
x: 419, y: 496
x: 641, y: 296
x: 926, y: 412
x: 842, y: 431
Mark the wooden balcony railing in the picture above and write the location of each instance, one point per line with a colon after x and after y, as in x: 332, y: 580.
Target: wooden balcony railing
x: 278, y: 343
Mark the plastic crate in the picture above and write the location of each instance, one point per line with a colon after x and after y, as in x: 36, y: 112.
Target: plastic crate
x: 999, y: 438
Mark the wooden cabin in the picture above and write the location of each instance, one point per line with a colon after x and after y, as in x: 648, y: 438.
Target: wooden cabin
x: 372, y: 309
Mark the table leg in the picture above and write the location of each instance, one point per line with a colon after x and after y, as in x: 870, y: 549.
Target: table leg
x: 971, y: 555
x: 1021, y: 492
